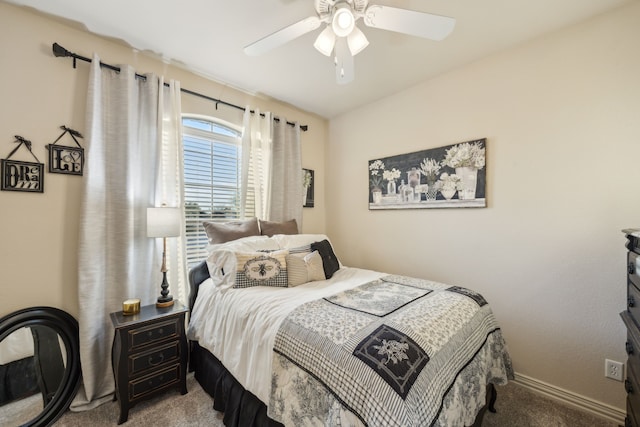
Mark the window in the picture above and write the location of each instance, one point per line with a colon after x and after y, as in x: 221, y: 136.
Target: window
x: 212, y: 179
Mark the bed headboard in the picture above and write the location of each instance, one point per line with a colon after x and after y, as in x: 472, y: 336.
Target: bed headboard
x: 197, y: 275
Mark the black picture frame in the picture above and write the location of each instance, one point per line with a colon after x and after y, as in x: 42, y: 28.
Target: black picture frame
x: 22, y: 176
x: 66, y: 160
x: 308, y: 176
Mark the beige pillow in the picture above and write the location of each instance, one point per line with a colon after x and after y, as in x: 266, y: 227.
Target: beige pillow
x: 269, y: 228
x: 304, y: 268
x: 221, y: 232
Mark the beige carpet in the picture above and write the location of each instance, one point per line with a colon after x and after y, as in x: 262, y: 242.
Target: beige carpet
x: 517, y: 407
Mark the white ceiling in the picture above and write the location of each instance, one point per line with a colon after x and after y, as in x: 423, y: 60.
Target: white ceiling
x: 207, y: 36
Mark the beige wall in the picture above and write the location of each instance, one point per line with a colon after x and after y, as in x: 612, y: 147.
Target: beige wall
x: 38, y: 93
x: 561, y: 115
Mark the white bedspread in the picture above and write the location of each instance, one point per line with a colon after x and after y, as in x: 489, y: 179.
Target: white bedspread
x: 239, y: 326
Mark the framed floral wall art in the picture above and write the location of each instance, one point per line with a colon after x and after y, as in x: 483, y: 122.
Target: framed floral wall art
x: 452, y: 176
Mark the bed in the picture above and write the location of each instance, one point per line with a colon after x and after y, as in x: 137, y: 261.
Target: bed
x: 346, y: 347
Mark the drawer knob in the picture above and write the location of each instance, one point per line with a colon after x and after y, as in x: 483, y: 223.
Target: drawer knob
x: 631, y: 302
x: 629, y: 347
x: 160, y: 331
x: 160, y: 359
x: 627, y: 386
x: 631, y: 268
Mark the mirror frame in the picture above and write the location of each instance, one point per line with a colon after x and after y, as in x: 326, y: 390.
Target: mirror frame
x: 67, y: 328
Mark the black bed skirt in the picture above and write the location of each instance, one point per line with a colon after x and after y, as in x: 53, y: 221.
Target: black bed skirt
x: 241, y: 408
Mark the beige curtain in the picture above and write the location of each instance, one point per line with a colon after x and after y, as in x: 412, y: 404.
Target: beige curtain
x: 286, y: 175
x: 117, y: 261
x: 170, y: 187
x: 256, y: 156
x: 271, y: 150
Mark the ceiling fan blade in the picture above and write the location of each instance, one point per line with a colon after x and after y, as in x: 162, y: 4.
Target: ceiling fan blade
x: 282, y: 36
x: 427, y: 25
x: 345, y: 72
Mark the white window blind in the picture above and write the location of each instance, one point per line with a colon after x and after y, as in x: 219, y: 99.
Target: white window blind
x: 212, y: 179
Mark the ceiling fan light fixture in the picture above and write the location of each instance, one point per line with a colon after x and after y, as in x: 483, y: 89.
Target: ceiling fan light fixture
x: 325, y: 41
x: 357, y: 41
x: 343, y: 21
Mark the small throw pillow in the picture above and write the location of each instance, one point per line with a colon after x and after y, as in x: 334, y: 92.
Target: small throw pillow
x: 315, y: 266
x: 222, y: 232
x: 303, y: 268
x: 269, y: 228
x: 329, y: 260
x: 261, y: 269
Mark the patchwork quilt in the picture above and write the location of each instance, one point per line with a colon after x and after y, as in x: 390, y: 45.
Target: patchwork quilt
x: 396, y: 351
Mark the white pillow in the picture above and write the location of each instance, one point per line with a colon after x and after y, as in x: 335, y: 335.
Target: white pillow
x: 290, y: 241
x: 221, y: 263
x: 247, y: 244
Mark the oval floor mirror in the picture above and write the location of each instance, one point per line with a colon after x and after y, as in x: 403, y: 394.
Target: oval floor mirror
x: 39, y: 366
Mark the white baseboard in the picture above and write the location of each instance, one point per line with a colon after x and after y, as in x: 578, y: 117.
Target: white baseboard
x: 572, y: 399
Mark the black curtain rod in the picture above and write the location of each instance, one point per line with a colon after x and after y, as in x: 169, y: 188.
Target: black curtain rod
x: 60, y: 51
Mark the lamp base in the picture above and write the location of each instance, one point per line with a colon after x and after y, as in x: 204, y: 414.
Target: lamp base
x: 163, y: 304
x: 164, y: 300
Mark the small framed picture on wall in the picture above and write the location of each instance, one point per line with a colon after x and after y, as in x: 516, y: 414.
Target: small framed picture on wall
x: 307, y: 188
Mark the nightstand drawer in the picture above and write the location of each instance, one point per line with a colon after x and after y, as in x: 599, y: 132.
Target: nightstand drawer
x: 632, y: 386
x: 154, y: 382
x: 142, y: 361
x: 633, y: 302
x: 159, y: 331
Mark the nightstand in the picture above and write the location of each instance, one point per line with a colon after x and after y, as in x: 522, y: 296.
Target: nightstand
x: 149, y: 354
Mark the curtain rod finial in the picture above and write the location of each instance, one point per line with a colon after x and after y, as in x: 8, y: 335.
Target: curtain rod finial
x: 60, y: 51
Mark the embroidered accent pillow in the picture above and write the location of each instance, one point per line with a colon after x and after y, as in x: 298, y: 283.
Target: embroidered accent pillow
x: 304, y: 267
x: 261, y: 269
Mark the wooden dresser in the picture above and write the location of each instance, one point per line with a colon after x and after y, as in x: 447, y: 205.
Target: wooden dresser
x: 149, y: 354
x: 631, y: 318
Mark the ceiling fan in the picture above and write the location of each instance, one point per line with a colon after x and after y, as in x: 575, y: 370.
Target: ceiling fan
x: 344, y: 39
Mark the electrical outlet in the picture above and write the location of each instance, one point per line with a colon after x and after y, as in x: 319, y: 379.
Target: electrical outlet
x: 613, y: 369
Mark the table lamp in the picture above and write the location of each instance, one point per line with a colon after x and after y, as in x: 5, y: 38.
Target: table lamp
x: 164, y: 222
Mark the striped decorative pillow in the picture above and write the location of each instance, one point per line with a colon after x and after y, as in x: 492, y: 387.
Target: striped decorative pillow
x: 304, y: 267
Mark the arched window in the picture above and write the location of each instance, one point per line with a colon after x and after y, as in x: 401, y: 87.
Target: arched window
x: 212, y: 178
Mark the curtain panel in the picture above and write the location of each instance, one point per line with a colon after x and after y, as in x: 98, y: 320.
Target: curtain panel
x: 271, y: 151
x: 128, y: 155
x: 286, y: 176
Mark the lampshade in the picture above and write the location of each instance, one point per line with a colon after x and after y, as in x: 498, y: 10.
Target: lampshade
x: 357, y: 41
x: 325, y: 41
x: 163, y: 222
